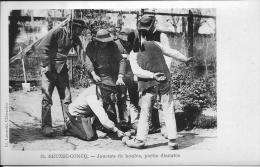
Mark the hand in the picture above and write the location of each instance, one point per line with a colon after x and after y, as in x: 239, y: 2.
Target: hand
x: 96, y: 78
x: 120, y: 81
x: 159, y: 77
x: 188, y: 61
x: 120, y: 134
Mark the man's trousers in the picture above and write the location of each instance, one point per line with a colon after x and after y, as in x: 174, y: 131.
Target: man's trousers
x: 50, y: 80
x: 147, y: 101
x: 132, y: 88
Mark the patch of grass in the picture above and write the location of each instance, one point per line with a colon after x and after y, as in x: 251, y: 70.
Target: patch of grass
x: 205, y: 122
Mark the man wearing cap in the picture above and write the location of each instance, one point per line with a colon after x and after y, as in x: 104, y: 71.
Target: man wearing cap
x: 146, y: 64
x: 105, y: 63
x: 53, y: 51
x: 148, y: 23
x: 126, y: 41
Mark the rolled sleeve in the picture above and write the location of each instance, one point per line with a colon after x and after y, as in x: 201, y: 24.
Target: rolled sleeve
x: 164, y: 40
x: 137, y: 70
x: 172, y: 52
x: 122, y: 66
x: 97, y: 107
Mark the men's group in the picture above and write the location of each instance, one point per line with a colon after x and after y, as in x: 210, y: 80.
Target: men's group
x: 137, y: 63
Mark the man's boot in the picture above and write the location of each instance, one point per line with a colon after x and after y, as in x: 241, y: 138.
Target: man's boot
x: 173, y: 145
x: 46, y: 119
x: 47, y: 131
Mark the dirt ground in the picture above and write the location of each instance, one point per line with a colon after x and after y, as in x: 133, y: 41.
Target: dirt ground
x: 25, y: 131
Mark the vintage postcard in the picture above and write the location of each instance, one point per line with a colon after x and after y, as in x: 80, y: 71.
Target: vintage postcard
x: 130, y: 83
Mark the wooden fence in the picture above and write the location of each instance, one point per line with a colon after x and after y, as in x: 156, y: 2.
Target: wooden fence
x: 32, y: 68
x: 190, y: 43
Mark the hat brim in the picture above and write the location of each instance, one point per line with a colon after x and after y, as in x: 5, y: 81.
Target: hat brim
x: 104, y: 39
x: 139, y: 27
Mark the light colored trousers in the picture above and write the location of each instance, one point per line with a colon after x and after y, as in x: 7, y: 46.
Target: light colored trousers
x: 147, y: 102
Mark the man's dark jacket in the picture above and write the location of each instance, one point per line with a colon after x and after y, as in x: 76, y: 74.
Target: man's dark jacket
x: 107, y: 62
x: 54, y: 48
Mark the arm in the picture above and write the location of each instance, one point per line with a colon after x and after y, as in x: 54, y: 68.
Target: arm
x: 122, y: 64
x: 88, y: 60
x: 90, y: 68
x: 172, y: 53
x: 137, y: 70
x: 164, y: 40
x: 97, y: 107
x: 88, y: 64
x: 119, y: 59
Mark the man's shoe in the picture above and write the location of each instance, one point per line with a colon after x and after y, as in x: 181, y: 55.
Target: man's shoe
x: 173, y: 145
x: 165, y: 135
x: 134, y: 143
x: 163, y: 129
x: 101, y: 134
x: 47, y: 131
x: 164, y: 132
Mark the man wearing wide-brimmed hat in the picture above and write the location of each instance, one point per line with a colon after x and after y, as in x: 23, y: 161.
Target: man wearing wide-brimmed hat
x: 53, y: 51
x: 105, y: 63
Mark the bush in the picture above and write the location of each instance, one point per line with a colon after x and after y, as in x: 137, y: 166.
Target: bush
x: 80, y: 77
x: 194, y: 90
x: 205, y: 122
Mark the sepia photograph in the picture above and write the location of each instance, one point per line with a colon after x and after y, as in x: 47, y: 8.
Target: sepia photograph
x: 74, y: 85
x: 134, y: 85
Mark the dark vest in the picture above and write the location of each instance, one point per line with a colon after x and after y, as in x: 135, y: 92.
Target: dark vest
x: 152, y: 59
x: 104, y: 60
x: 156, y: 36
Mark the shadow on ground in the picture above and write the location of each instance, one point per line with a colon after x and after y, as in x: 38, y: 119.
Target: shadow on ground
x: 185, y: 140
x: 32, y: 133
